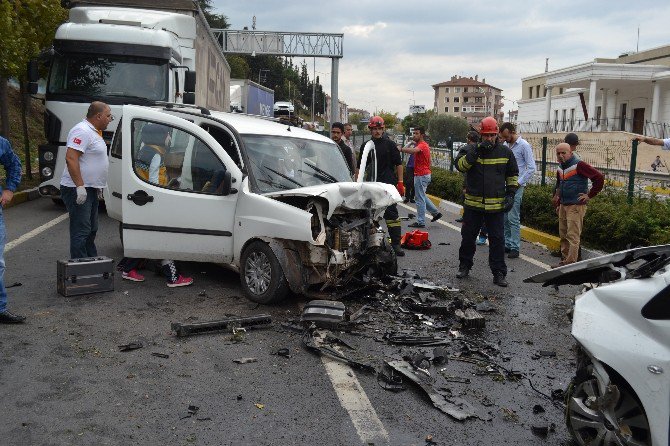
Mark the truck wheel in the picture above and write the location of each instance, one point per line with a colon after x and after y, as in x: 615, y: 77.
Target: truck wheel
x: 262, y: 277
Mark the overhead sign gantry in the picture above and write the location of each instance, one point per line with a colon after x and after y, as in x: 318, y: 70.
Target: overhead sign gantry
x: 290, y: 44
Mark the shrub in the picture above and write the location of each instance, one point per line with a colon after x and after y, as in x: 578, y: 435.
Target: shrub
x: 611, y: 223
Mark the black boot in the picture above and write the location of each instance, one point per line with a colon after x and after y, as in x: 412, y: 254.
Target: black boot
x: 499, y: 279
x: 394, y: 233
x: 463, y: 271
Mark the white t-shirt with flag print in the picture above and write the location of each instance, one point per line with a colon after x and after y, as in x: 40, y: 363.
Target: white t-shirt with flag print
x: 93, y: 163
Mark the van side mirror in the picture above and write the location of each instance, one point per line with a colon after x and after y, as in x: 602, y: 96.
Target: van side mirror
x: 227, y: 182
x: 189, y: 81
x: 33, y: 71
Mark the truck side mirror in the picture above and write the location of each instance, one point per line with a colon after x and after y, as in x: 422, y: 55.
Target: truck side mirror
x: 189, y: 81
x: 189, y: 98
x: 33, y: 71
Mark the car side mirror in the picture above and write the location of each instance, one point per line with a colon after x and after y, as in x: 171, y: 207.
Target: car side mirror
x: 189, y: 81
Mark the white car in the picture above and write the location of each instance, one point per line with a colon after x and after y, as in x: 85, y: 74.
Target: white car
x: 620, y: 394
x: 275, y: 202
x: 283, y: 107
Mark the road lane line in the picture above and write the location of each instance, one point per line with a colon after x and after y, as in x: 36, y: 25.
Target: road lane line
x: 27, y: 236
x: 457, y: 228
x: 354, y: 400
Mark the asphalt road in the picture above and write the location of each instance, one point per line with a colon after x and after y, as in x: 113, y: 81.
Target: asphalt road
x: 64, y: 380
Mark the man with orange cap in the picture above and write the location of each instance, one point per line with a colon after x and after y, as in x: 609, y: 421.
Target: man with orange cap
x: 491, y: 181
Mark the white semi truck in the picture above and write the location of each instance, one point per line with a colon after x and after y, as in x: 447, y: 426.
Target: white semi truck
x: 126, y: 52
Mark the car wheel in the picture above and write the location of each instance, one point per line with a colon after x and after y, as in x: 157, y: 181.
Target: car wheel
x: 590, y: 424
x: 263, y: 279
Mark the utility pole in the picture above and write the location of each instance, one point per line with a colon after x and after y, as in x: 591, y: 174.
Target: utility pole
x: 313, y: 87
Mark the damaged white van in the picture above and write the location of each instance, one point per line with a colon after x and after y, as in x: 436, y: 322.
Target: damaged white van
x: 275, y: 202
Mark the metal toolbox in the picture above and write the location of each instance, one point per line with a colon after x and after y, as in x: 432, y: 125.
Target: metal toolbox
x: 87, y: 275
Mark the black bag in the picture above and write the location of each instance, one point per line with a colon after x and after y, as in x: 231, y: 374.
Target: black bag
x: 87, y: 275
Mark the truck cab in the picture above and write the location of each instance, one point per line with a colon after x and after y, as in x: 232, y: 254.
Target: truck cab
x: 274, y: 202
x: 124, y: 55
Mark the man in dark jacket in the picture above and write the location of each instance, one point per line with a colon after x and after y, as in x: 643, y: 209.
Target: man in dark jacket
x: 491, y: 181
x: 571, y: 195
x: 336, y: 132
x: 389, y: 171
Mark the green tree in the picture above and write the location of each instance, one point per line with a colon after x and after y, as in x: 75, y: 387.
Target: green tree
x: 355, y: 121
x: 441, y: 127
x: 239, y: 68
x: 26, y: 27
x: 416, y: 120
x: 216, y: 21
x: 390, y: 119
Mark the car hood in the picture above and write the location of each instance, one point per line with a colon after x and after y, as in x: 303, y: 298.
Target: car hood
x: 591, y: 270
x: 350, y: 195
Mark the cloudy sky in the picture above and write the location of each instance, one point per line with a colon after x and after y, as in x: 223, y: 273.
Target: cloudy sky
x: 395, y: 50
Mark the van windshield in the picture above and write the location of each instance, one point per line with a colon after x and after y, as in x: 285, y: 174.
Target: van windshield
x: 108, y: 77
x: 280, y: 163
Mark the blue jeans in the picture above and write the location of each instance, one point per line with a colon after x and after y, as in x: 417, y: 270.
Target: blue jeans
x: 83, y: 221
x: 513, y: 223
x: 3, y: 292
x: 422, y: 201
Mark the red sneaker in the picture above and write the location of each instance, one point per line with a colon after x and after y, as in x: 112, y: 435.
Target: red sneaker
x: 133, y: 276
x: 181, y: 281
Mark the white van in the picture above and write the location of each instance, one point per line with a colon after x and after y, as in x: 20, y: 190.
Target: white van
x: 275, y: 202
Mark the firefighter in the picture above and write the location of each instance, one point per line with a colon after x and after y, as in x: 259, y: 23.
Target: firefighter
x: 389, y: 170
x: 491, y: 175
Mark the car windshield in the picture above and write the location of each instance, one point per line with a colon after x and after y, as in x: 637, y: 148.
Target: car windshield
x: 280, y: 163
x: 108, y: 76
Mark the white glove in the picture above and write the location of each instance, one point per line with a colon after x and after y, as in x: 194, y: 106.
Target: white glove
x: 101, y: 195
x: 81, y: 194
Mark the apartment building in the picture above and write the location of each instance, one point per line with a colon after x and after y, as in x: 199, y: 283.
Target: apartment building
x: 469, y: 98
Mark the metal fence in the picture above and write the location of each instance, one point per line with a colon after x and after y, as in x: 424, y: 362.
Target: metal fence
x: 649, y: 128
x: 617, y: 160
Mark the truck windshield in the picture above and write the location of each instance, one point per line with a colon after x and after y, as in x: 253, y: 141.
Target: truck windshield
x: 108, y: 76
x: 279, y: 163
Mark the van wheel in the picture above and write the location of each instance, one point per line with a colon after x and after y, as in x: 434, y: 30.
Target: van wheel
x: 262, y: 277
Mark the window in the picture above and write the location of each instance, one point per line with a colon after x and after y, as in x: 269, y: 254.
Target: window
x: 545, y: 92
x: 117, y: 146
x: 446, y: 109
x: 537, y: 91
x: 446, y: 89
x: 478, y: 100
x: 555, y: 119
x: 560, y: 90
x: 599, y: 110
x: 457, y: 89
x: 465, y: 100
x: 530, y: 92
x: 456, y: 109
x: 170, y: 157
x: 456, y: 99
x: 465, y: 89
x: 446, y: 99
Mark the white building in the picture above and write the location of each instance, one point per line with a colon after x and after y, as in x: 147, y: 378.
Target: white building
x: 630, y: 93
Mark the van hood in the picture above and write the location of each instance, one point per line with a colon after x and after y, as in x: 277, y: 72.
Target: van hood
x: 349, y: 195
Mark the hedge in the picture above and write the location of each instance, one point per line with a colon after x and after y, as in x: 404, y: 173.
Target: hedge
x: 611, y: 223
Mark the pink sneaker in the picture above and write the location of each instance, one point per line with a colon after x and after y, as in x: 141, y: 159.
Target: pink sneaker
x: 133, y: 276
x: 181, y: 281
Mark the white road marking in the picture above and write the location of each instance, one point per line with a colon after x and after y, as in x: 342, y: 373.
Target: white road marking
x: 28, y: 235
x: 354, y: 400
x: 457, y: 228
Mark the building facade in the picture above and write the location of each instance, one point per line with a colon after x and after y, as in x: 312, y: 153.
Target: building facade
x: 343, y: 109
x: 630, y: 93
x: 468, y: 98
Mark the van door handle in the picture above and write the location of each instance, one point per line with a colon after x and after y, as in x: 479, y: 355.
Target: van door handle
x: 140, y: 198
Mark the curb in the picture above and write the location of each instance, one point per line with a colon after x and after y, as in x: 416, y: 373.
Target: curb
x: 23, y: 196
x: 552, y: 242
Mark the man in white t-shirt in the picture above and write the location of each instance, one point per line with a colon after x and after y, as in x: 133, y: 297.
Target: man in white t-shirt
x: 84, y: 177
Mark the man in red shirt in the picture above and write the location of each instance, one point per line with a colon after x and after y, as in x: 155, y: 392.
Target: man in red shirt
x: 421, y: 153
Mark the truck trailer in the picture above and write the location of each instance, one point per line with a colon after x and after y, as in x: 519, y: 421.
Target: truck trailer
x: 126, y: 52
x: 251, y: 98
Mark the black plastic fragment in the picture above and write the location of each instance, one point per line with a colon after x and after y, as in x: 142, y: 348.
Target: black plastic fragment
x: 130, y: 346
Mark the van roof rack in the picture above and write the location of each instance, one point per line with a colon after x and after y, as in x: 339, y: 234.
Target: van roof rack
x: 166, y: 104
